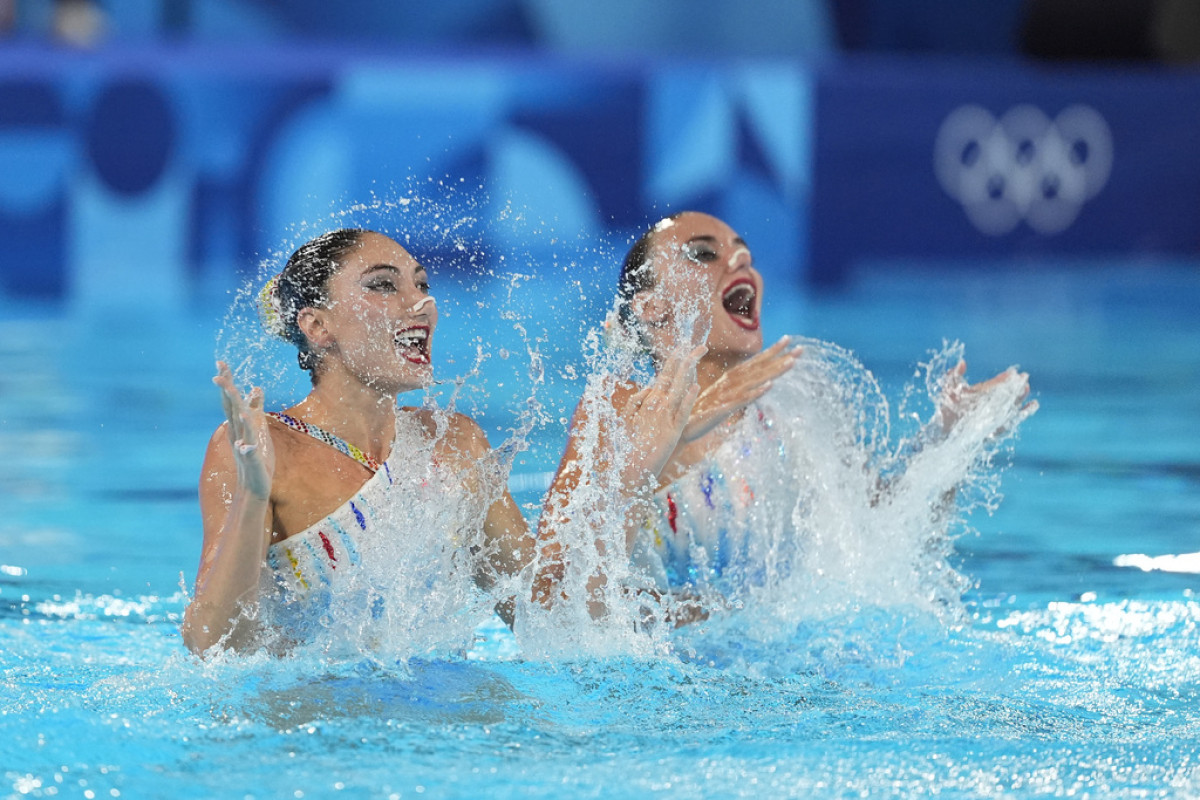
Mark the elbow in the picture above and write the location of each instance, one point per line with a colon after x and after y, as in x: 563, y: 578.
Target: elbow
x: 198, y: 641
x: 199, y: 636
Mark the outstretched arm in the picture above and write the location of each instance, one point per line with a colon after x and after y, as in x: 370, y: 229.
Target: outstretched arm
x: 958, y: 395
x: 956, y: 400
x: 235, y: 503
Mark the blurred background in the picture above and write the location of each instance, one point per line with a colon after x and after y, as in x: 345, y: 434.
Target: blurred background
x: 838, y: 135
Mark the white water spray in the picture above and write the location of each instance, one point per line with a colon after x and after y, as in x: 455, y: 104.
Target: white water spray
x: 808, y: 510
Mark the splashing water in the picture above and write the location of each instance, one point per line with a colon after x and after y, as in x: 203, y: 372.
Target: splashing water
x: 410, y: 590
x: 414, y: 593
x: 1071, y: 677
x: 808, y: 512
x: 815, y: 510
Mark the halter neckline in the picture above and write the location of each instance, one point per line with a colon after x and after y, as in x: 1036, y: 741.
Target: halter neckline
x: 336, y: 442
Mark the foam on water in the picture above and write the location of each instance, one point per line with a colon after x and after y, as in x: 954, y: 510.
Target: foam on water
x: 1076, y: 697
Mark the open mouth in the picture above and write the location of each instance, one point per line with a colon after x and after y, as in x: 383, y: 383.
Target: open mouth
x: 413, y: 343
x: 741, y: 303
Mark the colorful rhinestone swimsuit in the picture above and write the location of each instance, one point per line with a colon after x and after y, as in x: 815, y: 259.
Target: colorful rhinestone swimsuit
x: 703, y: 528
x: 380, y: 564
x: 313, y: 557
x: 321, y: 435
x: 323, y: 554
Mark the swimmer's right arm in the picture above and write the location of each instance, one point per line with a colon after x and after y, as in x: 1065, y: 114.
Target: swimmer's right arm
x: 652, y: 420
x: 235, y: 503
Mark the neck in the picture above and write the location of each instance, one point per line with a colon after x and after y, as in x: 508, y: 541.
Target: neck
x: 360, y: 414
x: 713, y: 365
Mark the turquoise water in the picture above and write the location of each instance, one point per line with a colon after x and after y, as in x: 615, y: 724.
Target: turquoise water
x: 1070, y: 676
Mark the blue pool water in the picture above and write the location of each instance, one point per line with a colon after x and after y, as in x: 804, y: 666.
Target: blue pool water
x: 1068, y: 676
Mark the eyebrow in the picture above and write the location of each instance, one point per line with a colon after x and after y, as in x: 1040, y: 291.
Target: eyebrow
x: 706, y: 238
x: 389, y: 268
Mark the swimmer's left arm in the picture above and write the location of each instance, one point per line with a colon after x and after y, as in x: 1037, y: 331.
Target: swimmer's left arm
x: 957, y: 398
x: 510, y: 548
x: 508, y: 544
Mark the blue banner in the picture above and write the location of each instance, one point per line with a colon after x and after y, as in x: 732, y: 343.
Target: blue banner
x: 987, y: 163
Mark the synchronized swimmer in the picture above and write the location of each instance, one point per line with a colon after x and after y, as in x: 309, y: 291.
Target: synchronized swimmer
x: 690, y: 280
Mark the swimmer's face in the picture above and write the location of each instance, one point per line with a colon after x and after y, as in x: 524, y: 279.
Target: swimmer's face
x: 705, y: 289
x: 379, y: 318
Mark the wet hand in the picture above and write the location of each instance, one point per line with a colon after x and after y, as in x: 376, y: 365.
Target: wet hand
x: 656, y: 416
x: 739, y: 387
x: 248, y: 435
x: 958, y: 396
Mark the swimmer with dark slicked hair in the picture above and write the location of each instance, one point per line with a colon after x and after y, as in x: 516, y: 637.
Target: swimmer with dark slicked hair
x: 690, y: 280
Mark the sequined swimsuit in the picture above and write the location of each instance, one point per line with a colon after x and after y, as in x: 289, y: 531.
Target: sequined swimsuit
x: 313, y: 557
x: 389, y: 564
x: 697, y: 527
x: 326, y: 553
x: 705, y: 529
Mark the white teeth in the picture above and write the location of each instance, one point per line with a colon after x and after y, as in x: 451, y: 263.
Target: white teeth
x: 741, y: 287
x: 414, y: 337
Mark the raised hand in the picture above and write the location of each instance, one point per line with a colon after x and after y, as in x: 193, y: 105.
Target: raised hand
x: 958, y: 395
x: 248, y: 435
x: 655, y: 417
x: 738, y: 388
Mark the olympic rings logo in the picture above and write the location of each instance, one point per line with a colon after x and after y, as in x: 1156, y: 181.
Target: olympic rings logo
x: 1023, y: 166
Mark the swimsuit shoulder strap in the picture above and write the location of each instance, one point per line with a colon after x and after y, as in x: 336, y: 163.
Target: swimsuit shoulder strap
x: 336, y: 442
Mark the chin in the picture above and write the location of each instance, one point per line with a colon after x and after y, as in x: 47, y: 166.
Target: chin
x: 740, y: 344
x: 418, y: 378
x: 408, y: 378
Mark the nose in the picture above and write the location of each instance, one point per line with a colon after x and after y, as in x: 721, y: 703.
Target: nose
x: 738, y: 259
x: 423, y: 307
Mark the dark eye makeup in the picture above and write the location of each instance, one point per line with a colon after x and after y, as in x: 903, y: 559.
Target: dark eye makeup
x: 699, y: 251
x: 383, y: 278
x: 380, y: 285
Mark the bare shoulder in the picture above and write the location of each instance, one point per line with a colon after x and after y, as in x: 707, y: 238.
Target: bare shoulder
x: 453, y: 431
x: 220, y: 464
x: 623, y: 393
x: 218, y: 473
x: 466, y: 435
x: 219, y: 451
x: 283, y: 439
